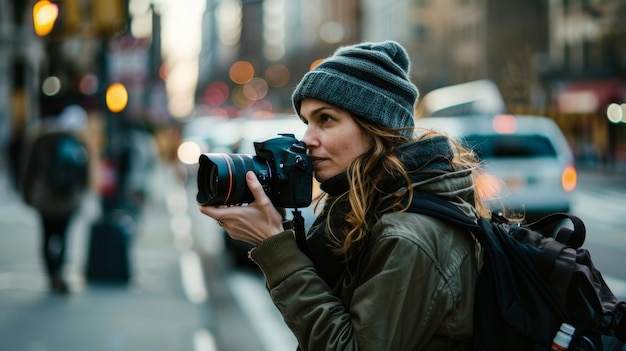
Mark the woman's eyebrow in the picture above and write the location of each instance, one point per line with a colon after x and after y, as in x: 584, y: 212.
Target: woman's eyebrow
x: 322, y: 108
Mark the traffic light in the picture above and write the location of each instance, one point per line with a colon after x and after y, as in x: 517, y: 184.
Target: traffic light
x: 57, y: 17
x: 66, y: 17
x: 45, y: 14
x: 116, y: 97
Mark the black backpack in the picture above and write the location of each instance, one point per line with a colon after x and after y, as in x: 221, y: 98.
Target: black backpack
x: 68, y: 165
x: 530, y: 283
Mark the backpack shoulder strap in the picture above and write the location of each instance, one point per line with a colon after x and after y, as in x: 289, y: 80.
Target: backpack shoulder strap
x: 571, y: 237
x: 557, y: 271
x: 435, y: 206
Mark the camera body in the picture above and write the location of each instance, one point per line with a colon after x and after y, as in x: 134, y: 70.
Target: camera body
x: 280, y: 164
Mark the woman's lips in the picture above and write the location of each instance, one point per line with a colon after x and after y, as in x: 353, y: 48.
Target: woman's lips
x: 315, y: 161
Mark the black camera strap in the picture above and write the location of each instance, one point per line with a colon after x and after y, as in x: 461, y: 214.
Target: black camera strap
x: 298, y: 227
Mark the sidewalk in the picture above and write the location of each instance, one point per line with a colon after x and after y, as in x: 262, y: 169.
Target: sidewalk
x: 154, y: 312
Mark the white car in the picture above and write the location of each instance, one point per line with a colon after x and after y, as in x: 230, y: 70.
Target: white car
x: 530, y: 164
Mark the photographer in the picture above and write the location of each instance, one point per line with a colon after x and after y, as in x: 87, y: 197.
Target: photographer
x: 372, y: 276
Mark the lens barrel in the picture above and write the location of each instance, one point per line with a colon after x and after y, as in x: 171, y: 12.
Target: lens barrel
x: 222, y: 178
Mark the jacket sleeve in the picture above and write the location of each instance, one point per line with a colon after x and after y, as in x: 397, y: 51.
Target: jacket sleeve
x: 394, y: 303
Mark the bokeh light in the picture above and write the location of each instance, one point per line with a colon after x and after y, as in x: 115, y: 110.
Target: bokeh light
x: 45, y: 15
x: 569, y: 178
x: 241, y: 72
x: 315, y: 63
x: 615, y: 112
x: 189, y: 152
x: 51, y: 86
x: 240, y: 99
x: 229, y: 16
x: 116, y: 97
x: 216, y: 93
x: 277, y: 75
x: 256, y: 89
x: 88, y: 84
x: 332, y: 32
x: 504, y: 124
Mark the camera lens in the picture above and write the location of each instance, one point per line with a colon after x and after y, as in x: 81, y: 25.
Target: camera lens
x: 213, y: 181
x: 222, y: 178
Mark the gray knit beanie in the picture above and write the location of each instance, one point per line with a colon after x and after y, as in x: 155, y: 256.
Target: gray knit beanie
x: 369, y: 80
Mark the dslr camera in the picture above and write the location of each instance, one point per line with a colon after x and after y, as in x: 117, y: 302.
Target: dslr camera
x: 280, y: 164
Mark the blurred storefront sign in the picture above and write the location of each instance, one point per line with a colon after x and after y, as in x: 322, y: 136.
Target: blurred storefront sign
x: 590, y: 96
x: 128, y: 63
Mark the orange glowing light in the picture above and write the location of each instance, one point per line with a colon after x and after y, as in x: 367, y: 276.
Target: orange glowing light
x: 569, y: 178
x: 116, y: 97
x: 241, y: 72
x: 45, y: 15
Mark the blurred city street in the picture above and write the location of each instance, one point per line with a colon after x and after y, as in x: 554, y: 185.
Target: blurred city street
x: 152, y: 312
x: 151, y: 85
x: 185, y: 295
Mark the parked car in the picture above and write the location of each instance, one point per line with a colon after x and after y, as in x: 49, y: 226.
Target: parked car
x: 528, y: 160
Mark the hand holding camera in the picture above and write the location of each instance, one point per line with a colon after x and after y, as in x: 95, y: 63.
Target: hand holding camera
x: 281, y: 166
x: 251, y: 223
x: 279, y: 176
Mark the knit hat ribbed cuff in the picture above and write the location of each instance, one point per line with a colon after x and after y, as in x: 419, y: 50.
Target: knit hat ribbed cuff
x: 368, y: 80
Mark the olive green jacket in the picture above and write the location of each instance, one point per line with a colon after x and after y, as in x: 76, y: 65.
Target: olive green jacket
x: 412, y: 289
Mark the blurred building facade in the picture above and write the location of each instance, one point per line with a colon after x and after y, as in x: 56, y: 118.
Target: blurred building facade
x: 457, y: 41
x: 279, y: 38
x: 537, y: 52
x: 55, y: 54
x: 561, y: 58
x: 586, y: 76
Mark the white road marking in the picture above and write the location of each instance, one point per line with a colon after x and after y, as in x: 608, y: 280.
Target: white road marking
x: 192, y: 274
x: 262, y: 314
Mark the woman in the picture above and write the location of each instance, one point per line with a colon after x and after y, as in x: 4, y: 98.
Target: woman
x: 374, y: 277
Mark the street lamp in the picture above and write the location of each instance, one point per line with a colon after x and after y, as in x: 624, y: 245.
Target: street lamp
x: 45, y: 15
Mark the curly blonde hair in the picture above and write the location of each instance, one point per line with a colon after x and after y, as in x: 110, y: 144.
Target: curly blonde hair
x: 368, y: 172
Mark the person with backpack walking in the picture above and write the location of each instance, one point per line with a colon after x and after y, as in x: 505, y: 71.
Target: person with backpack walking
x: 56, y: 178
x: 372, y: 275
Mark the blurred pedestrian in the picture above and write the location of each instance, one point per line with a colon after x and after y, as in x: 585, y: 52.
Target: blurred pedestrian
x: 55, y: 180
x: 16, y: 139
x: 372, y: 278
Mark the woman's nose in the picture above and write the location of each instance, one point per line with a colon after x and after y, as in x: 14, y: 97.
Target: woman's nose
x: 308, y: 138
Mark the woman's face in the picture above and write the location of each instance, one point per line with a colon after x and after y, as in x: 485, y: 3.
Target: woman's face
x: 332, y: 137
